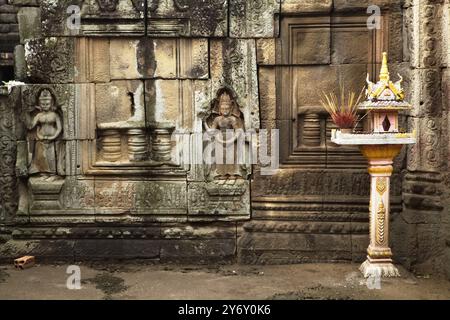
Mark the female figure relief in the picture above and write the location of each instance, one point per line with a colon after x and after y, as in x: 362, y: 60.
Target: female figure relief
x: 226, y: 116
x: 47, y: 123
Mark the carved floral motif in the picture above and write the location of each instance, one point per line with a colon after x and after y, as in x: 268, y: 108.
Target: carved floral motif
x: 8, y: 185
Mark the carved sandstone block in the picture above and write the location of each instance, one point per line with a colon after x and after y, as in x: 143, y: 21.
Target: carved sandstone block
x: 78, y: 195
x: 360, y: 5
x: 266, y: 51
x: 427, y: 98
x: 426, y: 154
x: 233, y: 64
x: 99, y: 17
x: 140, y: 197
x: 267, y: 93
x: 120, y: 104
x: 88, y: 50
x: 50, y: 60
x: 163, y: 102
x: 158, y: 58
x: 101, y: 249
x: 65, y: 102
x: 219, y: 200
x: 253, y: 19
x: 187, y: 18
x: 202, y: 251
x: 306, y: 6
x: 310, y: 36
x: 350, y: 46
x: 29, y: 19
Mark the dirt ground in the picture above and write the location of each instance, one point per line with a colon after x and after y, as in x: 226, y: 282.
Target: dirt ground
x: 139, y: 281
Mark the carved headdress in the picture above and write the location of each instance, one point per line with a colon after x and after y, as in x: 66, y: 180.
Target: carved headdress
x: 45, y: 95
x: 226, y: 95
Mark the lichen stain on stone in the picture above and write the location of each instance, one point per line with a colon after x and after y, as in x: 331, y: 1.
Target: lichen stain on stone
x: 145, y: 55
x: 204, y: 17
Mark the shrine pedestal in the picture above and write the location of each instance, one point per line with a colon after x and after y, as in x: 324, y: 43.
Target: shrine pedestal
x: 379, y: 258
x: 380, y: 151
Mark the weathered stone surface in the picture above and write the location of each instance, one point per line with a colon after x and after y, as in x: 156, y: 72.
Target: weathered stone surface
x: 24, y: 2
x: 447, y: 260
x: 124, y: 59
x: 8, y: 149
x: 193, y: 54
x: 426, y: 98
x: 267, y: 93
x: 64, y: 95
x: 233, y: 64
x: 253, y: 19
x: 29, y: 19
x: 201, y: 251
x: 426, y: 154
x: 162, y: 101
x: 54, y: 17
x: 352, y: 75
x: 87, y: 50
x: 358, y: 5
x: 266, y: 51
x: 115, y: 249
x: 422, y: 194
x: 219, y: 200
x: 50, y: 60
x: 396, y: 36
x: 187, y: 18
x: 275, y: 248
x: 313, y: 45
x: 45, y: 250
x: 349, y: 46
x: 140, y: 197
x: 99, y: 19
x: 78, y: 195
x: 360, y: 242
x: 290, y: 182
x: 430, y: 246
x: 159, y: 58
x: 306, y: 6
x: 20, y: 68
x: 225, y: 230
x: 120, y: 103
x: 120, y: 97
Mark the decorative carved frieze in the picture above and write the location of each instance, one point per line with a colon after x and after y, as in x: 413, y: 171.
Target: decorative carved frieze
x: 8, y: 155
x: 254, y: 19
x: 219, y: 200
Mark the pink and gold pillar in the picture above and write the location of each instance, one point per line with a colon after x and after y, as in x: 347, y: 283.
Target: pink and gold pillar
x: 379, y: 254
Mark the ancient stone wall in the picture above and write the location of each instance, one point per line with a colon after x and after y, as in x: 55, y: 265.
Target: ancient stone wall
x: 424, y: 222
x: 9, y: 37
x: 108, y: 93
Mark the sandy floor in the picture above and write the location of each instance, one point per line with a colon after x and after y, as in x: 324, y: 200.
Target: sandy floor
x: 137, y: 281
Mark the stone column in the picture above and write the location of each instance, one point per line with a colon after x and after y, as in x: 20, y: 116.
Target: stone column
x: 379, y: 258
x: 111, y: 145
x: 311, y: 130
x: 137, y: 144
x: 162, y: 144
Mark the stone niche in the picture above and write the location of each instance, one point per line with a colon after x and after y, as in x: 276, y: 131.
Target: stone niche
x: 120, y: 110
